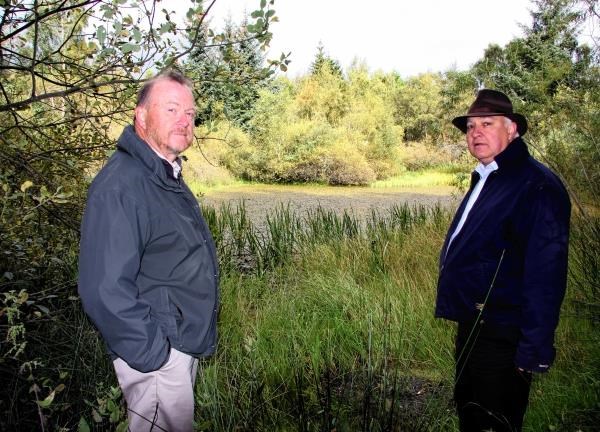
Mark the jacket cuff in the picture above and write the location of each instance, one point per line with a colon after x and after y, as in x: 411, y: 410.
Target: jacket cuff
x: 529, y: 363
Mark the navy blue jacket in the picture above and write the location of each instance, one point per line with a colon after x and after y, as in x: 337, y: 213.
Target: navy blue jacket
x: 147, y: 265
x: 513, y: 246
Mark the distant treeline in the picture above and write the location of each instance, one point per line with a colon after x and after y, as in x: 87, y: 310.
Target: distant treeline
x: 355, y: 126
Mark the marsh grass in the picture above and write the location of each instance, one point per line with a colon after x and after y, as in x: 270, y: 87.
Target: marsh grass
x: 325, y: 329
x: 327, y: 325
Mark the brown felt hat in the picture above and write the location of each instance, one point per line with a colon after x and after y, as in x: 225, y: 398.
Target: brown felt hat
x: 491, y: 103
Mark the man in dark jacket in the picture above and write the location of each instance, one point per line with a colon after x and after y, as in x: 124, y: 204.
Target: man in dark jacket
x: 503, y: 268
x: 147, y: 267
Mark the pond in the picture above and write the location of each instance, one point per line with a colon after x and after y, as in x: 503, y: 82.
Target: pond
x: 260, y: 200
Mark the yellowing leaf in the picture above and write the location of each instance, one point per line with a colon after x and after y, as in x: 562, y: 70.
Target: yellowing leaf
x: 26, y: 185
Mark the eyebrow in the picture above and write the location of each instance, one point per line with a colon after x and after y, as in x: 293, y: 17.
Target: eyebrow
x: 171, y: 102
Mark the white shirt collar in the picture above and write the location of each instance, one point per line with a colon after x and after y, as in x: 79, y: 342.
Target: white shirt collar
x: 485, y: 170
x: 176, y: 164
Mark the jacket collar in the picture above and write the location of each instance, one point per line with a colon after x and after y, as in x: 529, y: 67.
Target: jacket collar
x: 132, y: 144
x: 514, y: 155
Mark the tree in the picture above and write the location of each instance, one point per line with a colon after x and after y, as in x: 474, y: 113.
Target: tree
x: 228, y: 79
x: 418, y: 108
x: 323, y: 63
x: 553, y: 79
x: 533, y: 67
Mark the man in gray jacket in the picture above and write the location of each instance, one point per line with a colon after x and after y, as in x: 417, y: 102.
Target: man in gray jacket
x: 148, y: 273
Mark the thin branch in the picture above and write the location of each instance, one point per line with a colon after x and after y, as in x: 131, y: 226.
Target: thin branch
x: 42, y: 17
x: 36, y: 34
x: 75, y: 89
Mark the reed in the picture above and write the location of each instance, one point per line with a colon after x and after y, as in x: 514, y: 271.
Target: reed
x: 333, y: 329
x: 326, y: 323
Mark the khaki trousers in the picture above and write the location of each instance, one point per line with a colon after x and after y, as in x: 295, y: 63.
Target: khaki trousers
x: 162, y: 400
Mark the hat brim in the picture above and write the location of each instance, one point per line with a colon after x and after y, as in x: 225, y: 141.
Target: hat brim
x: 461, y: 122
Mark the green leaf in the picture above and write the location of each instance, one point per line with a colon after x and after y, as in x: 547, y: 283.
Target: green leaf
x: 257, y: 14
x: 48, y: 401
x: 28, y: 216
x: 83, y: 425
x: 129, y: 47
x: 111, y: 406
x: 122, y: 427
x: 101, y: 35
x: 270, y: 13
x: 115, y: 415
x: 45, y: 310
x: 190, y: 13
x: 23, y: 296
x: 137, y: 35
x: 166, y: 27
x: 108, y: 12
x: 263, y: 4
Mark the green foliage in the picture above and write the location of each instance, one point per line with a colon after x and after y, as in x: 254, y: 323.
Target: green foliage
x: 417, y: 108
x: 306, y: 338
x: 554, y: 81
x: 334, y: 328
x: 227, y: 80
x: 421, y: 156
x: 324, y: 64
x: 321, y: 128
x: 108, y: 407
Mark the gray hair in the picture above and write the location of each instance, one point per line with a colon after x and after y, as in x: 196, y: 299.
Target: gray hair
x: 167, y: 74
x: 508, y: 122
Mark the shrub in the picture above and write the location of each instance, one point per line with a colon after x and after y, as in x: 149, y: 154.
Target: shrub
x: 349, y: 168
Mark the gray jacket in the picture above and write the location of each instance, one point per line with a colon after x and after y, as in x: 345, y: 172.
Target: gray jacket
x: 148, y: 275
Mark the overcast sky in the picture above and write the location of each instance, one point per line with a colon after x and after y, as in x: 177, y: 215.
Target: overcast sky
x: 408, y: 37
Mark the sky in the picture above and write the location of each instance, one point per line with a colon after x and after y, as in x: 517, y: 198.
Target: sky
x: 408, y: 37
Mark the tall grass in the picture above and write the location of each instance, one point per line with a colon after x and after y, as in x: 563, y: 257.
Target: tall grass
x: 332, y: 328
x: 326, y: 323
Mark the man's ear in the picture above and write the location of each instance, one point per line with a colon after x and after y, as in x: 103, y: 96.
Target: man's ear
x: 140, y: 116
x: 513, y: 130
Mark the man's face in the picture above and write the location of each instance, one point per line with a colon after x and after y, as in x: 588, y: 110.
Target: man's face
x: 166, y: 120
x: 489, y: 136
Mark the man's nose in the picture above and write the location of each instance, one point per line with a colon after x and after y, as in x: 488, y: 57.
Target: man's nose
x: 183, y: 119
x: 474, y: 129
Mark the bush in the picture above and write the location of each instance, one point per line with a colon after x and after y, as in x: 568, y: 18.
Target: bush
x: 419, y: 156
x: 350, y: 169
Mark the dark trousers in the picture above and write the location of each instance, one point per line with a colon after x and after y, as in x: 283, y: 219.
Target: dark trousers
x: 491, y: 394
